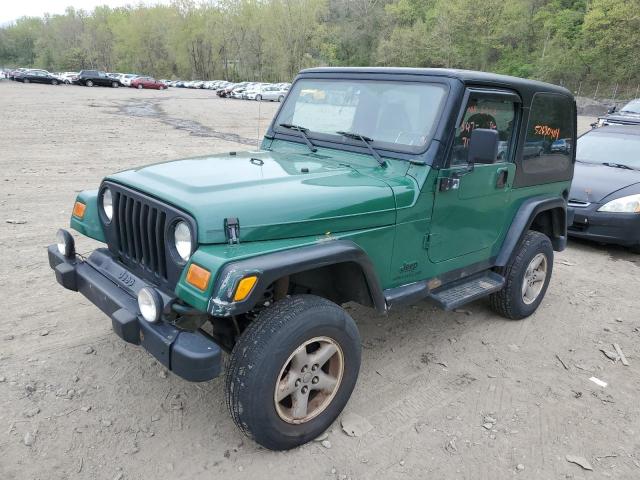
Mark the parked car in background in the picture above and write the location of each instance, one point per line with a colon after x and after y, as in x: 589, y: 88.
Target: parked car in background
x: 13, y: 74
x: 89, y: 78
x: 562, y: 145
x: 627, y: 115
x: 67, y: 77
x: 273, y: 93
x: 127, y: 78
x: 147, y: 82
x: 37, y: 76
x: 605, y: 193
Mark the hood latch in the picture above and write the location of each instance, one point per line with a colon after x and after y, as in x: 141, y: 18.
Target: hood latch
x: 232, y: 229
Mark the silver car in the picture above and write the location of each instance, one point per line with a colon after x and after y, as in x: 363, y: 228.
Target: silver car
x: 274, y: 93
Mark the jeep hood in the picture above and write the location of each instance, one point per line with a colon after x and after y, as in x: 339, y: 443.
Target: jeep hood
x: 273, y: 195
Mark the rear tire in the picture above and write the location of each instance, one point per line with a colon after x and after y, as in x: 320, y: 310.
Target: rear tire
x: 281, y: 98
x: 139, y: 86
x: 115, y: 84
x: 25, y: 80
x: 54, y: 82
x: 259, y: 98
x: 527, y: 278
x: 292, y: 371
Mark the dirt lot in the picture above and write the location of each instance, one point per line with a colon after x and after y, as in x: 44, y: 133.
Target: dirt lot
x: 77, y: 402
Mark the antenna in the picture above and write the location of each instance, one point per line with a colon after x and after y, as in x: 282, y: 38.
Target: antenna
x: 259, y: 114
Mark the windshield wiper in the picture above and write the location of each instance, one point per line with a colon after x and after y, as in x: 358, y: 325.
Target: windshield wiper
x: 618, y: 165
x: 303, y: 133
x: 367, y: 141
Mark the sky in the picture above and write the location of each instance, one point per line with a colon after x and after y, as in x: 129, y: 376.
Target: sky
x: 11, y: 10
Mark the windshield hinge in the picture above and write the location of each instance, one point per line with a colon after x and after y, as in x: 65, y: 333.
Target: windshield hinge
x: 232, y: 230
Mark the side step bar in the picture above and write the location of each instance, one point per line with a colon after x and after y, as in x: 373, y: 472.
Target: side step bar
x: 467, y: 290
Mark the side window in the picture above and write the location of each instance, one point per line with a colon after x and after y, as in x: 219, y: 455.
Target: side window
x: 485, y: 112
x: 549, y: 144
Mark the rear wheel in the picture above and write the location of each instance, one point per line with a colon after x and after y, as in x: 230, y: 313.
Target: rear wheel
x: 280, y: 98
x: 89, y: 83
x: 115, y: 84
x: 527, y: 278
x: 25, y: 80
x: 54, y: 82
x: 139, y: 86
x: 308, y: 350
x: 259, y: 98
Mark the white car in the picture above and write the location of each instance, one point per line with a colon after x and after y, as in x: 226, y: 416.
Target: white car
x: 126, y: 79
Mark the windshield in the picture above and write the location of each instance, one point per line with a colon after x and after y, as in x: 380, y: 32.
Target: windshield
x: 632, y: 107
x: 399, y: 116
x: 609, y: 148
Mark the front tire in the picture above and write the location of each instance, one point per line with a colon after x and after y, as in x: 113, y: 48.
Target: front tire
x: 527, y: 278
x: 54, y: 82
x: 140, y: 86
x: 25, y: 80
x: 115, y: 84
x: 308, y: 353
x: 89, y: 83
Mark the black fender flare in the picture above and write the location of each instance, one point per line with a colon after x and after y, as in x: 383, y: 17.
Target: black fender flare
x: 522, y: 221
x: 273, y: 266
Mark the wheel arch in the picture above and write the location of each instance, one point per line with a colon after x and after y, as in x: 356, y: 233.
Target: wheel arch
x: 339, y: 270
x: 542, y: 214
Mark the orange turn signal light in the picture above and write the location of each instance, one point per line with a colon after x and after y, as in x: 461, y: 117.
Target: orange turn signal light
x: 78, y: 209
x: 244, y: 288
x: 198, y: 276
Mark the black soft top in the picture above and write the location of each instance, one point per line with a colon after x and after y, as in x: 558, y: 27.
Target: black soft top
x: 469, y: 77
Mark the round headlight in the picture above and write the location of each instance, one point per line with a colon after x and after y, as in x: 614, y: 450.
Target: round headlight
x: 182, y: 239
x: 107, y: 203
x: 150, y: 304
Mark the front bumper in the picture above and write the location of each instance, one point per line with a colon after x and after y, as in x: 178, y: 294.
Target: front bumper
x: 193, y: 356
x: 615, y: 228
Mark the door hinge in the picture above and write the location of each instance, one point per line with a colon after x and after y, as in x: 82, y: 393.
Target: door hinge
x: 426, y: 241
x: 429, y: 240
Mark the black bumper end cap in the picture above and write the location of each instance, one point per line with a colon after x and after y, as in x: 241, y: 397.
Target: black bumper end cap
x: 66, y: 276
x: 125, y: 325
x: 195, y: 357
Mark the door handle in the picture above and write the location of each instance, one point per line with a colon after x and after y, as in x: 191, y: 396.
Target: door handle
x: 503, y: 176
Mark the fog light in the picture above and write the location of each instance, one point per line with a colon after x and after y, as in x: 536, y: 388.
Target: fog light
x: 66, y: 245
x: 150, y: 304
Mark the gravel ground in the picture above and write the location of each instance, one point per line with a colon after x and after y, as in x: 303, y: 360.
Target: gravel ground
x: 465, y: 395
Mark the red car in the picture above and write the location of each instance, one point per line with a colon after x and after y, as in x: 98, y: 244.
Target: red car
x: 147, y: 82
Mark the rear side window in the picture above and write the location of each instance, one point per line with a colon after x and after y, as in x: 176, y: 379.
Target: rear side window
x: 549, y: 144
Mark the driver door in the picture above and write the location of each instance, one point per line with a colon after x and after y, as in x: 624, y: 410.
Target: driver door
x: 470, y: 204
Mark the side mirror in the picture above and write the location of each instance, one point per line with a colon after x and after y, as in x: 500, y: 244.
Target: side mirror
x: 612, y: 109
x: 483, y: 146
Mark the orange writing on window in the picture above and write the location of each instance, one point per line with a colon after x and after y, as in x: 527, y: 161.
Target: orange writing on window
x: 547, y: 131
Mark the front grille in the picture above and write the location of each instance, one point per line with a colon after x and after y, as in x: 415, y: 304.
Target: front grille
x: 140, y: 230
x: 140, y: 234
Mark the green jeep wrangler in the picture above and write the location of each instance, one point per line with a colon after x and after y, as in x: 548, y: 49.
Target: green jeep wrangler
x: 380, y: 186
